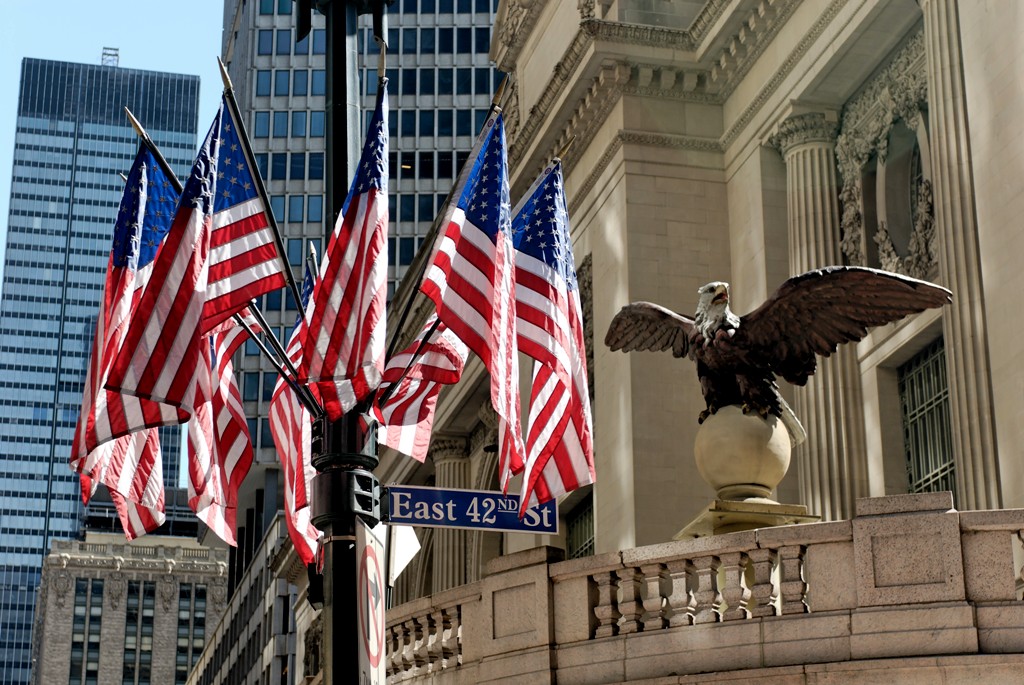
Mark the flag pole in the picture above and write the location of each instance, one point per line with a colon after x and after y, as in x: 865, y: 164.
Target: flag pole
x: 305, y: 396
x: 431, y: 236
x: 261, y: 189
x: 160, y: 159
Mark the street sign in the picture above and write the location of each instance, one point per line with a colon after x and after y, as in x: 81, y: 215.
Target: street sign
x: 371, y: 583
x: 479, y: 509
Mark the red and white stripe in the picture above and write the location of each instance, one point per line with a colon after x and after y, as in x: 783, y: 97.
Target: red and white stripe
x: 243, y: 261
x: 343, y: 352
x: 134, y: 479
x: 291, y: 426
x: 220, y: 448
x: 406, y: 417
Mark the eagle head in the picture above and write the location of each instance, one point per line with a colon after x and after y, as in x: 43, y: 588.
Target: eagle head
x: 713, y: 311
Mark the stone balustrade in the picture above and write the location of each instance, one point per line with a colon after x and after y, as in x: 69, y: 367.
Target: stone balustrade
x: 909, y: 582
x: 103, y: 550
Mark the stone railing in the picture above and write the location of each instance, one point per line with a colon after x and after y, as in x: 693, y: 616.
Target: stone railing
x: 908, y: 578
x: 106, y: 550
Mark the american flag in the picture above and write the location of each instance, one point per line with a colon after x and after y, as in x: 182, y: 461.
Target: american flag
x: 559, y: 442
x: 244, y: 260
x: 103, y: 449
x: 343, y: 350
x: 219, y: 445
x: 405, y: 418
x: 290, y: 424
x: 471, y: 280
x: 212, y: 264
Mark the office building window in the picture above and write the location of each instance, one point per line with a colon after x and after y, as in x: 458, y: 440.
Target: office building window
x: 319, y: 85
x: 316, y: 124
x: 319, y: 42
x: 427, y: 42
x: 445, y: 41
x: 191, y: 628
x: 281, y: 80
x: 426, y: 81
x: 924, y: 400
x: 426, y: 122
x: 264, y: 42
x: 266, y: 437
x: 297, y: 172
x: 85, y: 631
x: 408, y: 41
x: 463, y: 81
x: 284, y: 6
x: 266, y: 6
x: 408, y: 123
x: 408, y: 6
x: 281, y: 124
x: 251, y: 384
x: 263, y: 82
x: 316, y: 165
x: 408, y: 86
x: 302, y: 46
x: 261, y: 163
x: 314, y: 209
x: 408, y: 163
x: 465, y: 6
x: 300, y: 81
x: 446, y: 6
x: 464, y: 41
x: 426, y: 207
x: 298, y: 124
x: 445, y: 81
x: 295, y: 251
x: 296, y: 204
x: 269, y: 377
x: 426, y: 168
x: 483, y: 39
x: 371, y: 81
x: 406, y: 250
x: 261, y: 125
x: 140, y: 604
x: 579, y: 529
x: 407, y: 208
x: 444, y: 165
x: 463, y: 122
x: 284, y: 41
x: 277, y: 204
x: 445, y: 124
x: 483, y: 80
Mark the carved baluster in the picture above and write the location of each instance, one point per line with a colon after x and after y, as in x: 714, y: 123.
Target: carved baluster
x: 759, y: 580
x: 607, y: 610
x: 734, y: 594
x: 657, y: 586
x: 630, y: 607
x: 706, y: 596
x: 393, y: 659
x: 452, y: 639
x: 434, y: 651
x: 411, y: 630
x: 679, y: 604
x: 792, y: 592
x: 421, y: 635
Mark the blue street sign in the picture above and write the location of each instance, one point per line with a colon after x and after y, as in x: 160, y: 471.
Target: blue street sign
x: 481, y: 509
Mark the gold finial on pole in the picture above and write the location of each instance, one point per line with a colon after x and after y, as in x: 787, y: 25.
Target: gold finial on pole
x: 496, y: 100
x: 565, y: 148
x: 139, y: 131
x: 224, y: 76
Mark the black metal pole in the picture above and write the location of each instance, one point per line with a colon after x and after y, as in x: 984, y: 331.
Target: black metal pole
x: 344, y: 486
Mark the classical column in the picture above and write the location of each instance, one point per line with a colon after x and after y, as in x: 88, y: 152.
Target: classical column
x: 831, y: 463
x: 964, y: 325
x: 451, y: 470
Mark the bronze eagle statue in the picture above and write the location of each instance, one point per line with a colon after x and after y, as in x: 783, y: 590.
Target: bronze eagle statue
x: 739, y: 357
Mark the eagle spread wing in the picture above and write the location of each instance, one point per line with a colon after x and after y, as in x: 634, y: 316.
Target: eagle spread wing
x: 815, y: 312
x: 646, y: 326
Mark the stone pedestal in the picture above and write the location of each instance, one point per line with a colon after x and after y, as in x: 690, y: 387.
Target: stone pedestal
x: 744, y: 458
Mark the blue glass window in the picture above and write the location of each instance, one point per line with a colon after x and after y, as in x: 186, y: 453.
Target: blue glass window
x: 298, y: 124
x: 480, y: 116
x: 315, y: 209
x: 445, y: 81
x: 277, y: 206
x: 408, y: 81
x: 316, y: 165
x: 250, y: 386
x: 408, y: 123
x: 483, y: 40
x: 297, y: 170
x: 266, y: 6
x: 426, y: 207
x: 426, y: 122
x: 295, y: 251
x: 407, y: 206
x: 263, y: 82
x: 446, y: 6
x: 464, y: 41
x: 463, y: 122
x: 483, y: 6
x: 483, y: 81
x: 445, y: 41
x: 300, y: 80
x: 463, y: 81
x: 261, y: 125
x: 264, y: 42
x: 269, y: 377
x: 426, y: 6
x: 266, y: 437
x: 465, y: 6
x: 316, y: 124
x: 319, y: 42
x: 406, y: 250
x: 408, y: 41
x: 371, y: 82
x: 409, y: 6
x: 427, y: 41
x: 295, y: 206
x: 281, y: 79
x: 261, y: 163
x: 284, y: 6
x: 426, y: 167
x: 426, y: 81
x: 284, y: 41
x: 281, y: 124
x: 278, y: 168
x: 444, y: 164
x: 444, y: 122
x: 302, y: 46
x: 319, y: 85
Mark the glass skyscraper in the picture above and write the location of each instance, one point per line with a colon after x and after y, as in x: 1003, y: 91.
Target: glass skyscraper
x: 71, y: 141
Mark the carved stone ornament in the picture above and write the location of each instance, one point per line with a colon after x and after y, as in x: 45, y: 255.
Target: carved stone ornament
x: 923, y: 248
x: 218, y: 592
x: 898, y: 93
x: 812, y: 127
x: 311, y: 657
x: 114, y: 588
x: 167, y: 590
x: 585, y: 279
x: 61, y: 584
x: 446, y: 449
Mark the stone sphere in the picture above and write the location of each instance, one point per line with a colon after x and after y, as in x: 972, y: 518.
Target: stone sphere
x: 742, y: 456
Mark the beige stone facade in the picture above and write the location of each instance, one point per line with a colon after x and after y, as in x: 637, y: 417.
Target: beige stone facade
x: 113, y: 612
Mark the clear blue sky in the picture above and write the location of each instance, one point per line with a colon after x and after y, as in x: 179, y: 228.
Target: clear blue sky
x: 181, y: 37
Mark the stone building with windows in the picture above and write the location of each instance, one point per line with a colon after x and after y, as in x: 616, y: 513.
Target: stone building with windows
x: 131, y: 613
x: 748, y: 141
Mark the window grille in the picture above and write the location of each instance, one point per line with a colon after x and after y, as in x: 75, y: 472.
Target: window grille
x: 924, y: 400
x: 579, y: 530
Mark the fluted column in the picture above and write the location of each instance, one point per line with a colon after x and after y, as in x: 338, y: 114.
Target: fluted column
x: 451, y: 470
x: 964, y: 326
x: 831, y: 463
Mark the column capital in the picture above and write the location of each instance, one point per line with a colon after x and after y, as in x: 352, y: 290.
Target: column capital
x: 448, y: 449
x: 799, y: 129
